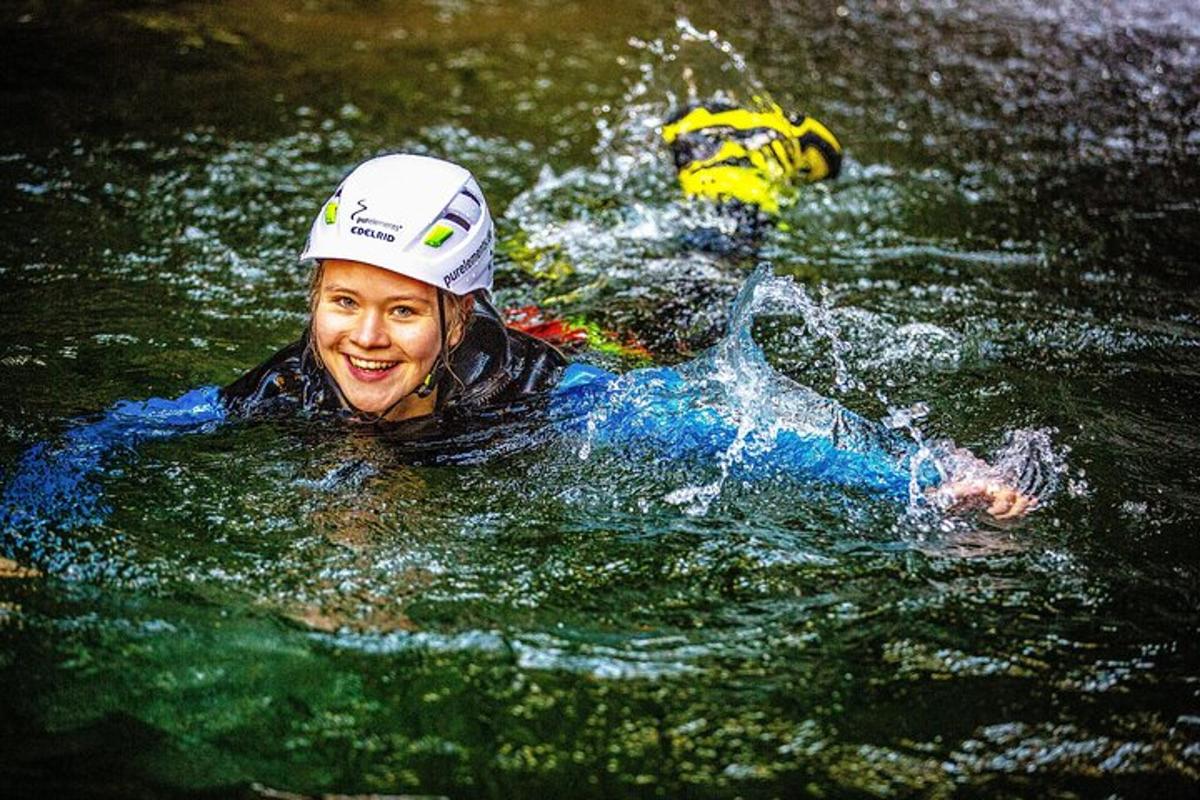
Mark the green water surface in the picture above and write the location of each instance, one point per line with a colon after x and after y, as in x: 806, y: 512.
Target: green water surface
x: 1012, y: 244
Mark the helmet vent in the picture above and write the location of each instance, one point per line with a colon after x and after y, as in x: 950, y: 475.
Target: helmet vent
x: 450, y: 216
x: 464, y: 210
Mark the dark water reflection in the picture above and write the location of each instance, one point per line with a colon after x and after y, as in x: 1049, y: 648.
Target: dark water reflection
x: 1011, y: 245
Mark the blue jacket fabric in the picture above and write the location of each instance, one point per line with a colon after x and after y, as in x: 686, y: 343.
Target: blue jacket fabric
x: 666, y: 411
x: 53, y: 487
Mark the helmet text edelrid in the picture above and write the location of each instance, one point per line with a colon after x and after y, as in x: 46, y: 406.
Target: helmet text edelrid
x: 371, y: 233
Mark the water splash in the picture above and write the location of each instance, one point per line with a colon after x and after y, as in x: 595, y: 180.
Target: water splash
x: 736, y: 378
x: 606, y: 219
x: 695, y: 66
x: 736, y: 383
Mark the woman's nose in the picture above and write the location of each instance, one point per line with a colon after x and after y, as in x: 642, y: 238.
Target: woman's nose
x: 370, y: 331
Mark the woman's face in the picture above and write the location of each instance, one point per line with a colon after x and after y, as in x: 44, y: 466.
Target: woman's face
x: 378, y: 335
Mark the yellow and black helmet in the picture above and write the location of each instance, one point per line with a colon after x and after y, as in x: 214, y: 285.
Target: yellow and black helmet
x: 726, y: 152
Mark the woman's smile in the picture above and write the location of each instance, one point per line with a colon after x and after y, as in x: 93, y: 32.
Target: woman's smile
x: 367, y: 370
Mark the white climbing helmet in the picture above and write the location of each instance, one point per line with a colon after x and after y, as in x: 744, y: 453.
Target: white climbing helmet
x: 414, y: 215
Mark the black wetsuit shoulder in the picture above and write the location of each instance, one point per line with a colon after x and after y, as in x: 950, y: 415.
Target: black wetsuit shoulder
x: 492, y: 366
x: 495, y: 365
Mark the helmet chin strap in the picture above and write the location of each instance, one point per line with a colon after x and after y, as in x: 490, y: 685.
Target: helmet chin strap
x: 427, y: 386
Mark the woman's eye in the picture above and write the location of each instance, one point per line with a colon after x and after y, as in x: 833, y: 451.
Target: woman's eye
x: 344, y: 302
x: 402, y: 311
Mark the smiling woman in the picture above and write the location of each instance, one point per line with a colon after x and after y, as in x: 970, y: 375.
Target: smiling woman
x: 400, y: 323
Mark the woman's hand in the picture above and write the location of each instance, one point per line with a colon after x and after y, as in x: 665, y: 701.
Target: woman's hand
x: 1001, y: 500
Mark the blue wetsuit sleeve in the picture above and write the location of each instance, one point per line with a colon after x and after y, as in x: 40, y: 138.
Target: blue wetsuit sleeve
x: 53, y: 486
x: 661, y: 409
